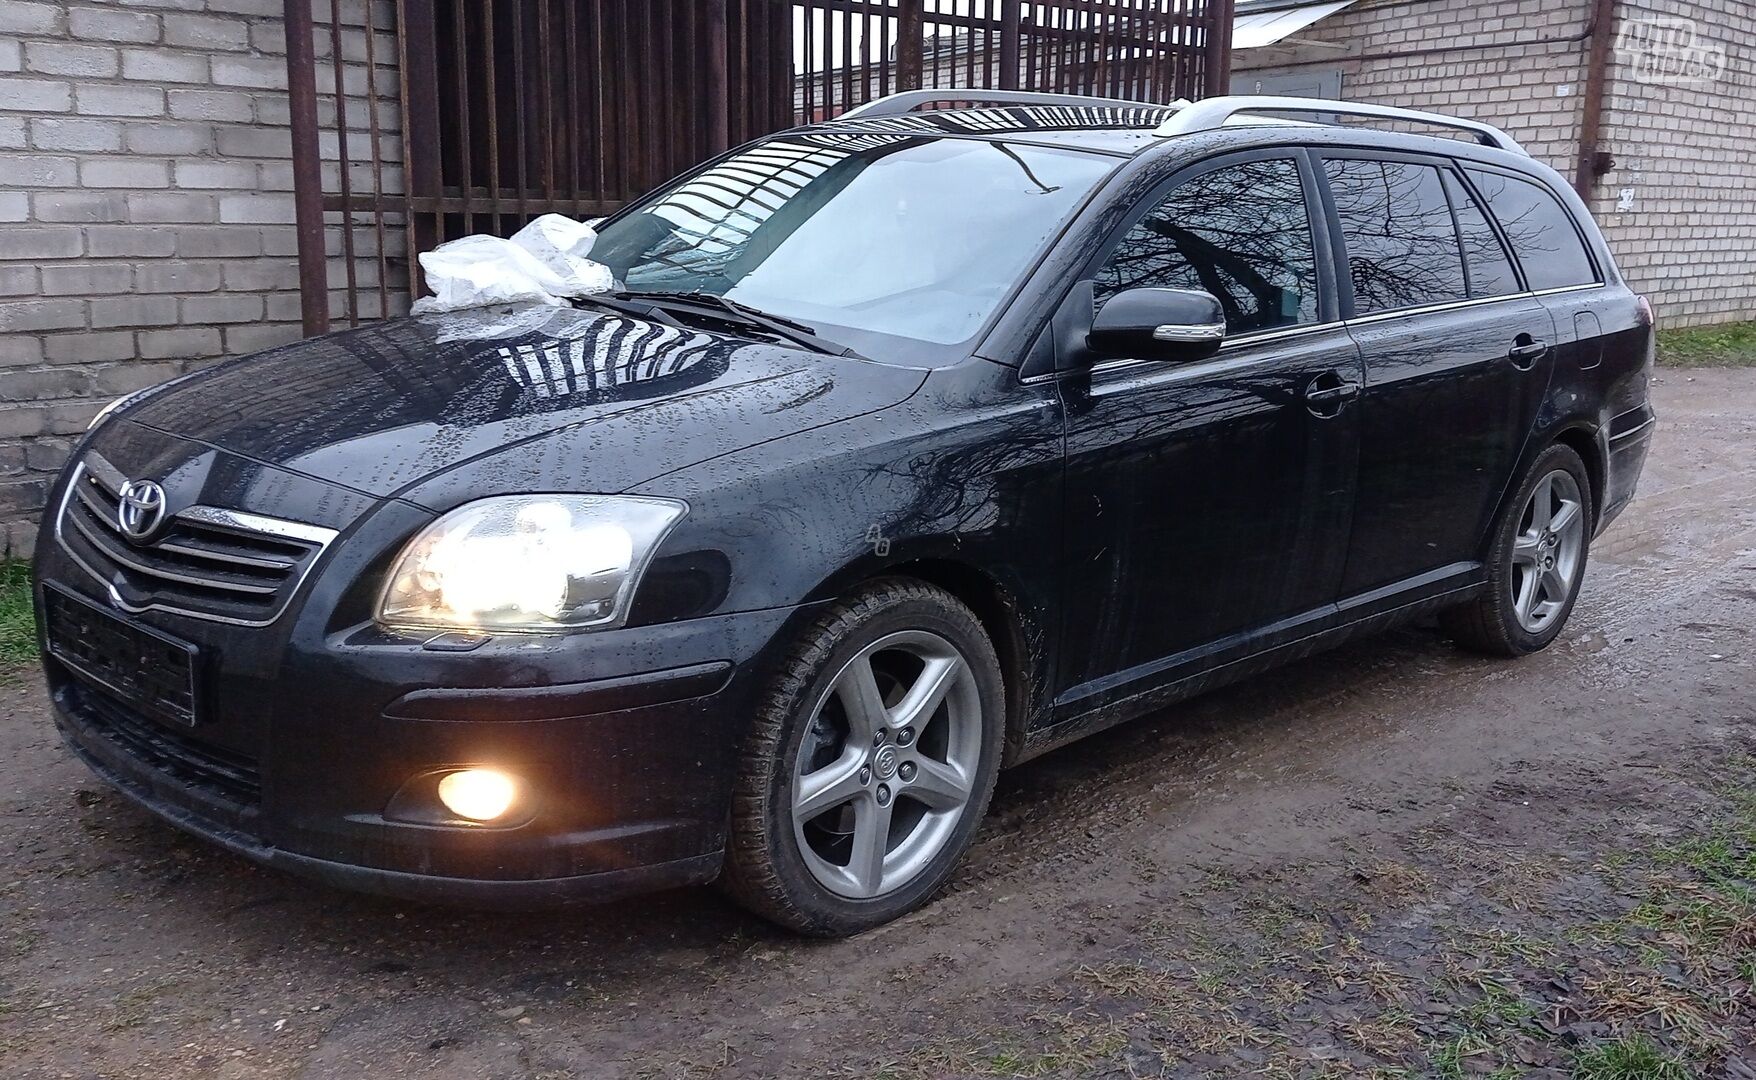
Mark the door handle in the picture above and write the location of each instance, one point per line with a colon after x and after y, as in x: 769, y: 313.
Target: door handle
x: 1326, y: 393
x: 1526, y: 351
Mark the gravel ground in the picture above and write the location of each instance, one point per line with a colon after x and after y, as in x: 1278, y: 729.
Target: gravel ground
x: 1392, y: 860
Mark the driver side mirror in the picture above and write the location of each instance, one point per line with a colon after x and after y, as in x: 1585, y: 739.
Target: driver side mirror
x: 1158, y: 324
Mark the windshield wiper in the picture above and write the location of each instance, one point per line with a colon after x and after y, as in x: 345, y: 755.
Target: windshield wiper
x: 642, y: 310
x: 779, y: 325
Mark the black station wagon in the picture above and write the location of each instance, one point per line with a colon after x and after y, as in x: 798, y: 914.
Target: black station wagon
x: 910, y: 445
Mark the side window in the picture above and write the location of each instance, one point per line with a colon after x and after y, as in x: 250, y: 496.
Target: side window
x: 1402, y: 246
x: 1240, y: 232
x: 1490, y: 268
x: 1543, y: 236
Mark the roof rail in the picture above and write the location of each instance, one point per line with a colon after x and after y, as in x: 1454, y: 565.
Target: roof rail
x: 913, y: 100
x: 1212, y: 113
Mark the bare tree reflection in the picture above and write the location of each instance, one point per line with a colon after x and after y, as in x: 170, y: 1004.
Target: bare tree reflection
x: 1542, y: 233
x: 1240, y: 233
x: 1484, y: 256
x: 1402, y: 245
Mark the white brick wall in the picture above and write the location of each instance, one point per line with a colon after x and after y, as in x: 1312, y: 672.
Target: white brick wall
x: 146, y: 204
x: 1685, y: 152
x: 1689, y: 241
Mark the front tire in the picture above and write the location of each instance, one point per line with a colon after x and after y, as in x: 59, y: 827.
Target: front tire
x: 1536, y: 562
x: 870, y: 762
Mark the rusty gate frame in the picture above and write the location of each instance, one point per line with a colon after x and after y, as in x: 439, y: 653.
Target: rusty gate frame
x: 745, y: 88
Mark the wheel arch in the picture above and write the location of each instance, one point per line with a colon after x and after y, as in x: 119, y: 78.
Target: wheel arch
x: 1001, y: 616
x: 1583, y: 440
x: 1578, y: 435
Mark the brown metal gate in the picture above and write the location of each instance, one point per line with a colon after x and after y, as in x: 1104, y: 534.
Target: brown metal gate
x: 419, y: 121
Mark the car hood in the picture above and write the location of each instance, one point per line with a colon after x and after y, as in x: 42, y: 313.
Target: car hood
x: 512, y: 399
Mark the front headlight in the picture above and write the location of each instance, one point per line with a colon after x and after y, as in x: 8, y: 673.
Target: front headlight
x: 528, y: 563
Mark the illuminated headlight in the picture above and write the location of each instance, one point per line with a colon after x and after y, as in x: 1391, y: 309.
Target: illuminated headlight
x: 528, y: 563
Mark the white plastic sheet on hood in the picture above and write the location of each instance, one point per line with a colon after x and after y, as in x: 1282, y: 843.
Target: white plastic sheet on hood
x: 546, y: 262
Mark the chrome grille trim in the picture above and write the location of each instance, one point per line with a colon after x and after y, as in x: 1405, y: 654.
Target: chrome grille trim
x: 123, y: 559
x: 274, y: 527
x: 199, y: 559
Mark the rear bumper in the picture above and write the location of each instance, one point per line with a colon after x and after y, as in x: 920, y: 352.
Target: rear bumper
x: 1630, y: 441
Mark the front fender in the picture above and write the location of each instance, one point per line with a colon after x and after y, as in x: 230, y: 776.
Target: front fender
x: 966, y: 474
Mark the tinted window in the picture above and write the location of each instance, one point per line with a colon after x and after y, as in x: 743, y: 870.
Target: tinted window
x: 1541, y: 231
x: 1402, y: 246
x: 1241, y: 233
x: 1490, y: 268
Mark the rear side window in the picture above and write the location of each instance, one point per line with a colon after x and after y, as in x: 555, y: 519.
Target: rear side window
x: 1402, y: 246
x: 1490, y: 268
x: 1240, y: 232
x: 1543, y: 236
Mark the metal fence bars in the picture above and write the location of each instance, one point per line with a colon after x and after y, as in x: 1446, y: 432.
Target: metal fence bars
x: 418, y: 121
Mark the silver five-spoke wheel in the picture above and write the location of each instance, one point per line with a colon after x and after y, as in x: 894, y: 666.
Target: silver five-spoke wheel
x: 1548, y: 550
x: 887, y: 767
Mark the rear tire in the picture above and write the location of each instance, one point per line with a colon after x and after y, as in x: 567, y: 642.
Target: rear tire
x: 870, y: 762
x: 1536, y: 561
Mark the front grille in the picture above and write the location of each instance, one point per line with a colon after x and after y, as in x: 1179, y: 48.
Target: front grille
x: 156, y: 674
x: 227, y: 774
x: 206, y: 562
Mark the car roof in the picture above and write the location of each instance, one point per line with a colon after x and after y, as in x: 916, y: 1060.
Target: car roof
x: 1129, y: 129
x: 1123, y: 130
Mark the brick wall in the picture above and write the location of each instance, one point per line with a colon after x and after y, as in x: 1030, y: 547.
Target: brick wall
x: 146, y: 206
x: 1518, y: 64
x: 1689, y: 241
x: 1684, y: 151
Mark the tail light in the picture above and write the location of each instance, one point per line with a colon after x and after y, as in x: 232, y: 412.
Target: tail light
x: 1647, y: 318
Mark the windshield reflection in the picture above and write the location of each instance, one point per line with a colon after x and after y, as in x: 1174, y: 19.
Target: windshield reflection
x: 897, y: 235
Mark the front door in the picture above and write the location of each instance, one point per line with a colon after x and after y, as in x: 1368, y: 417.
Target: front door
x: 1208, y: 502
x: 1458, y: 358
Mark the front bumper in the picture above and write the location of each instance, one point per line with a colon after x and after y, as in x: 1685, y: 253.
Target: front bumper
x: 498, y: 894
x: 630, y: 772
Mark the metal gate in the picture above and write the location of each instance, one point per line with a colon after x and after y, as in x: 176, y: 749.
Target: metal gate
x: 419, y: 121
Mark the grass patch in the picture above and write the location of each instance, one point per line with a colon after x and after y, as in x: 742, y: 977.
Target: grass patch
x: 1729, y: 345
x: 18, y: 627
x: 1449, y: 1061
x: 1632, y: 1057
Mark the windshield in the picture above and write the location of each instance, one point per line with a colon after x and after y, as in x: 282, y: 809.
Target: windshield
x: 900, y: 236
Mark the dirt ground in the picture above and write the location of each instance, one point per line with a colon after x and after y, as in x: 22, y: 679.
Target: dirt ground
x: 1392, y: 860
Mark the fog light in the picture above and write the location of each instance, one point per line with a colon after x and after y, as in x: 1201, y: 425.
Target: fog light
x: 478, y: 794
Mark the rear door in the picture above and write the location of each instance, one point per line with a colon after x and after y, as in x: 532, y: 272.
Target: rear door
x: 1458, y: 356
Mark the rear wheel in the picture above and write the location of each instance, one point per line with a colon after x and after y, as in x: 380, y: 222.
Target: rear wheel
x: 1536, y: 563
x: 870, y: 763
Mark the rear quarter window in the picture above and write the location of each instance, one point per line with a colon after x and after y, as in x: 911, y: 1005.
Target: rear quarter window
x: 1542, y: 232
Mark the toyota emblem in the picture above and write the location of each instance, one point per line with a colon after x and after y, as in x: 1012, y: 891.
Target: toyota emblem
x: 140, y: 508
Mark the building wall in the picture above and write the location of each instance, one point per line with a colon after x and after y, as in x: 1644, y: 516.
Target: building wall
x: 1686, y: 154
x: 1689, y: 238
x: 146, y: 208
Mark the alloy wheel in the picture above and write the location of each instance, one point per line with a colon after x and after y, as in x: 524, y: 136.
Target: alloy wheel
x: 887, y: 765
x: 1548, y: 550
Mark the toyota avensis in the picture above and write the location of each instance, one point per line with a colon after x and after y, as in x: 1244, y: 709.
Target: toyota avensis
x: 909, y: 446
